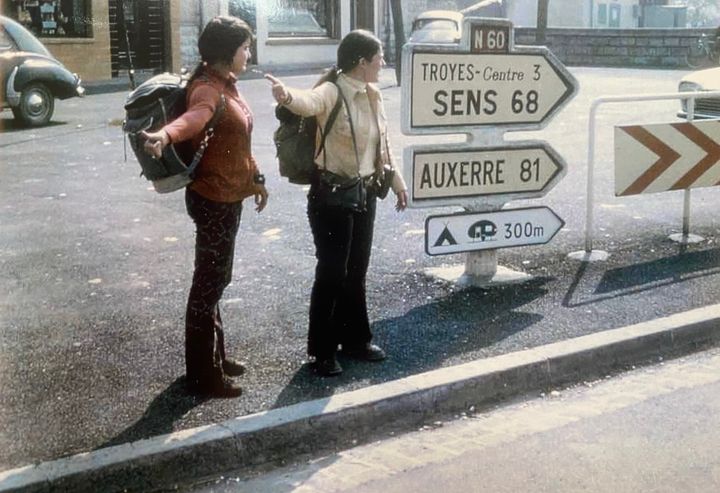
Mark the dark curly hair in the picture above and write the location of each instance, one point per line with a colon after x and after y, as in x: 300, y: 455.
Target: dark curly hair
x: 221, y: 38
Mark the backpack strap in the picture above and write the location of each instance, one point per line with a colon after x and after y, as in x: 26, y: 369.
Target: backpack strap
x: 378, y: 150
x: 209, y: 133
x: 352, y: 128
x: 328, y: 125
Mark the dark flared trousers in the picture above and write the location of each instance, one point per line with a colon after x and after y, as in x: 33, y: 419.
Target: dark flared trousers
x: 216, y: 225
x: 338, y: 306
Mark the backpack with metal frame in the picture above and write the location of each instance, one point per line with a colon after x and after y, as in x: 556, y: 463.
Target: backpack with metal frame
x: 152, y: 105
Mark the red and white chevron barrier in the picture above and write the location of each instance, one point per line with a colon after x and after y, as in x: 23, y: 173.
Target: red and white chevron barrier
x: 667, y: 156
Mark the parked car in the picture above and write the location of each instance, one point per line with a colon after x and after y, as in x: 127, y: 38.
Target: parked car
x: 702, y: 80
x: 30, y: 77
x: 437, y: 26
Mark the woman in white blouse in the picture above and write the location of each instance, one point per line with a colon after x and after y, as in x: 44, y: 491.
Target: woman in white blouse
x: 357, y: 145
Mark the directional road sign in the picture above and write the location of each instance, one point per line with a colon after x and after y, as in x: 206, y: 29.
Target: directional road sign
x: 666, y: 156
x: 472, y: 231
x: 484, y: 81
x: 466, y: 89
x: 448, y: 175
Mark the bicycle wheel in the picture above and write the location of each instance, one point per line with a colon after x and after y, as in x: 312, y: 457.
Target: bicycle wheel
x: 716, y: 57
x: 695, y: 57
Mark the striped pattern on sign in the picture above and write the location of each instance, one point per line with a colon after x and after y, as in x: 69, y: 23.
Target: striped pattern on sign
x: 666, y: 156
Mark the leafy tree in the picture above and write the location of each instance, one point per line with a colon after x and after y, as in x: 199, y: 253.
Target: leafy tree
x: 702, y: 13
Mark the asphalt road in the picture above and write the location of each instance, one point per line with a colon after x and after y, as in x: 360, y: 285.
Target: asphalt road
x: 95, y: 267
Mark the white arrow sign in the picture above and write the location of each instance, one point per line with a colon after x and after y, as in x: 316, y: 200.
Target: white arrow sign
x: 444, y: 175
x: 490, y: 230
x: 454, y: 91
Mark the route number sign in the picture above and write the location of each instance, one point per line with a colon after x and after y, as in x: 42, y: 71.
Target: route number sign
x: 490, y: 39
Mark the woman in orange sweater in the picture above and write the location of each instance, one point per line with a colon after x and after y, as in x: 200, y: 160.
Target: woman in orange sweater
x: 226, y: 175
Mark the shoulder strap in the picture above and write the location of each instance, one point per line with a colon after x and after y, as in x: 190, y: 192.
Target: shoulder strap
x: 352, y: 128
x: 378, y: 151
x: 328, y: 125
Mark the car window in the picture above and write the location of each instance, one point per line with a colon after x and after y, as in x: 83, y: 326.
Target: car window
x: 24, y: 40
x: 6, y: 42
x: 440, y: 24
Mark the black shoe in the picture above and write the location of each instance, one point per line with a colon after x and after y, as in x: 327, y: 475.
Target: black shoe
x: 366, y: 352
x: 223, y: 387
x: 233, y: 367
x: 327, y: 367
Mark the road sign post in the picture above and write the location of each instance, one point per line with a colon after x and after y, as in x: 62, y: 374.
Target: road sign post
x: 483, y: 87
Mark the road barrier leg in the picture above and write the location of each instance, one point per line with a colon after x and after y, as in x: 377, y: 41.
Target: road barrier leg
x: 685, y: 237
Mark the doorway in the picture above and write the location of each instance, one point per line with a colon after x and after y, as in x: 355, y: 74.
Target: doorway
x: 144, y: 21
x: 363, y: 15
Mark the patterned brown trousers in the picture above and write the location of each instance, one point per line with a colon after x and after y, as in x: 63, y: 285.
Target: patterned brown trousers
x: 216, y: 225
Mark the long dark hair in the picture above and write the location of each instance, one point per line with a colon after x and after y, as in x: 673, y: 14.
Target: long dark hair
x: 355, y: 46
x: 219, y: 41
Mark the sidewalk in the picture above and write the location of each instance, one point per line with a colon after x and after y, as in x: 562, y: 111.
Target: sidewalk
x: 360, y: 416
x: 653, y: 429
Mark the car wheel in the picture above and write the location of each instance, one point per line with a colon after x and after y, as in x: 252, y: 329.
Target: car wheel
x: 36, y: 105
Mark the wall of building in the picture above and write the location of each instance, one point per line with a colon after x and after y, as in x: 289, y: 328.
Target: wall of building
x: 567, y: 13
x: 89, y: 57
x: 655, y: 16
x: 650, y: 48
x: 173, y: 41
x: 189, y: 29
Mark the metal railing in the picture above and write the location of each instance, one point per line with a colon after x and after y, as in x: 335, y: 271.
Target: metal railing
x: 689, y: 96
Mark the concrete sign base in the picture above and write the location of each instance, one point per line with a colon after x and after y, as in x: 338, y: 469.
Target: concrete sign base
x: 456, y: 274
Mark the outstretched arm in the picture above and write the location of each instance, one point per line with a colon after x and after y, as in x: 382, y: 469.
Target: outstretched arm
x: 279, y: 91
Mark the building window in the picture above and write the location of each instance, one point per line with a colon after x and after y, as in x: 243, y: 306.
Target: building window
x: 245, y: 10
x: 303, y: 19
x: 54, y: 18
x: 602, y: 13
x: 614, y: 15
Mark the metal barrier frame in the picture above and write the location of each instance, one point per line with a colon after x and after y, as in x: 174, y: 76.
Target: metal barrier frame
x: 588, y: 254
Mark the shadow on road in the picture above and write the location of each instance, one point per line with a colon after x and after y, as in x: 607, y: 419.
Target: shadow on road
x: 645, y: 276
x: 427, y: 336
x: 12, y: 125
x: 662, y: 271
x: 169, y: 406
